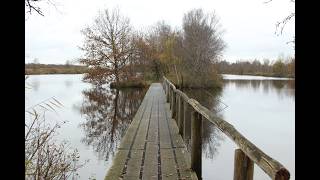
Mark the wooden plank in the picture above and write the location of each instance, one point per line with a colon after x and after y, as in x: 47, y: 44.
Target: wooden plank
x: 168, y: 165
x: 115, y: 170
x: 134, y: 164
x: 165, y: 141
x: 176, y: 137
x: 143, y: 129
x: 153, y: 142
x: 121, y: 156
x: 150, y: 170
x: 183, y: 159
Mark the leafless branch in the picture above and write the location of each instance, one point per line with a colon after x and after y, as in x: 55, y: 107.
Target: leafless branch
x: 32, y: 7
x: 283, y: 23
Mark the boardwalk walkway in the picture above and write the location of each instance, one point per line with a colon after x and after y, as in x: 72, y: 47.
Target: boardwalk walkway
x: 152, y: 147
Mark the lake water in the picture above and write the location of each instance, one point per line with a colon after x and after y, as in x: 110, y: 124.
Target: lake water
x: 261, y: 108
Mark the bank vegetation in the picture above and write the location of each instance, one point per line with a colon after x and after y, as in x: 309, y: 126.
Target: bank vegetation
x: 36, y: 68
x: 280, y: 67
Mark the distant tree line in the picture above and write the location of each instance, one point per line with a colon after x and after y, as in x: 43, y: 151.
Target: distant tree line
x: 115, y: 52
x: 68, y: 68
x: 278, y: 68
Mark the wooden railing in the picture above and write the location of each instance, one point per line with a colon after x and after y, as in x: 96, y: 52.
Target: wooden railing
x: 183, y: 107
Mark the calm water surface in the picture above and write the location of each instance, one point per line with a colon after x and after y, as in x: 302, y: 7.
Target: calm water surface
x: 97, y: 117
x: 262, y: 109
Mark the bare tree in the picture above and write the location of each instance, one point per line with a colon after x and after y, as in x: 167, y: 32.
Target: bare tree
x: 107, y: 46
x: 202, y: 43
x: 33, y: 6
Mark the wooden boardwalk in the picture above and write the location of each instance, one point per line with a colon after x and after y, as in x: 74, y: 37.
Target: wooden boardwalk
x: 152, y: 148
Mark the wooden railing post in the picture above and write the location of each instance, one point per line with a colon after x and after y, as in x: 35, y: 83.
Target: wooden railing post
x: 187, y: 121
x: 167, y: 95
x: 181, y: 113
x: 196, y: 143
x: 243, y: 166
x: 173, y: 106
x: 170, y: 94
x: 177, y: 108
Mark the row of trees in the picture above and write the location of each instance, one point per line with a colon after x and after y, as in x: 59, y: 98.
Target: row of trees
x: 115, y: 52
x: 278, y: 68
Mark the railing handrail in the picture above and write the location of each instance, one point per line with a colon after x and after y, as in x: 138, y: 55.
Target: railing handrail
x: 270, y: 166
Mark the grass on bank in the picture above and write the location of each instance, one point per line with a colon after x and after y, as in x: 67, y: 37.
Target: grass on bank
x: 210, y: 81
x: 35, y: 69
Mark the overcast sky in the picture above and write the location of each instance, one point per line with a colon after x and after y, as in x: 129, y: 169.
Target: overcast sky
x: 249, y: 25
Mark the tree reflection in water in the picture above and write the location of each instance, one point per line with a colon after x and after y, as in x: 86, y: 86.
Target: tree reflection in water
x: 108, y: 113
x: 283, y: 88
x: 211, y: 135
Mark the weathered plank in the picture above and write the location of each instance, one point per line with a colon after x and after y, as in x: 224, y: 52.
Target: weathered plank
x: 152, y: 147
x: 151, y: 162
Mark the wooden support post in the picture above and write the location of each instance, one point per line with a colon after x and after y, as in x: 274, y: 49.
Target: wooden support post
x: 243, y: 166
x: 181, y: 118
x: 177, y: 108
x: 196, y: 143
x: 167, y: 86
x: 173, y: 106
x: 187, y: 120
x: 170, y: 93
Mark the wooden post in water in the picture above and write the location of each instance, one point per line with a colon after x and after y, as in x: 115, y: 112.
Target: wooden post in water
x: 243, y: 166
x: 187, y: 120
x: 181, y: 118
x: 196, y: 147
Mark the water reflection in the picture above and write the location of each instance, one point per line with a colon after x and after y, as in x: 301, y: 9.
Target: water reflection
x: 35, y: 84
x: 211, y: 135
x: 68, y: 83
x: 108, y: 114
x: 283, y: 88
